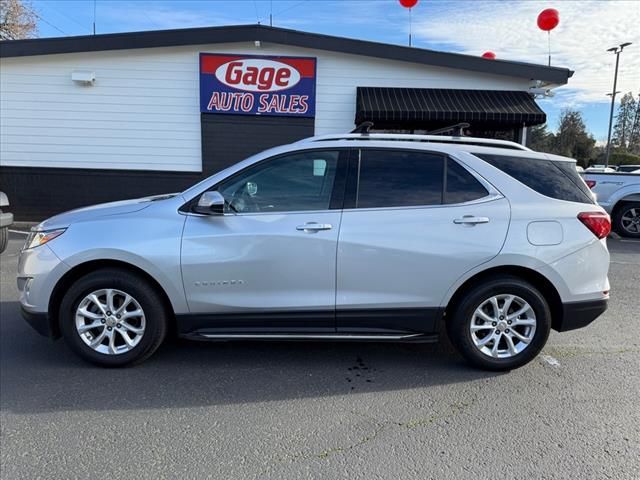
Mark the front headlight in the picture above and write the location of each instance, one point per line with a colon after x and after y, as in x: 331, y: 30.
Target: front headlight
x: 35, y: 239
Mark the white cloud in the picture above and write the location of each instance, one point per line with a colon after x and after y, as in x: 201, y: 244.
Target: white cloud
x: 586, y: 30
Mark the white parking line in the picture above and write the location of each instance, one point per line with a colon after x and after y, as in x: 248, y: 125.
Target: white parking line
x: 19, y: 231
x: 550, y: 360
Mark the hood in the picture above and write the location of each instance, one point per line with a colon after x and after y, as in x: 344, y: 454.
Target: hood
x: 65, y: 219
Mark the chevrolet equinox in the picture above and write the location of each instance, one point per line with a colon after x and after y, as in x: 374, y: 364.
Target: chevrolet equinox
x: 370, y: 237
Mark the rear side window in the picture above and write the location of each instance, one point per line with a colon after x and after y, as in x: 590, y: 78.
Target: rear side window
x: 395, y: 178
x: 461, y: 185
x: 558, y: 180
x: 569, y: 169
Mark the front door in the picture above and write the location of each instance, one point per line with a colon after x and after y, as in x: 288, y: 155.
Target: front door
x: 269, y: 261
x: 413, y: 223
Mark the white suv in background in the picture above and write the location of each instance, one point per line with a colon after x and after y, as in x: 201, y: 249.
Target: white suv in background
x: 374, y: 237
x: 6, y: 220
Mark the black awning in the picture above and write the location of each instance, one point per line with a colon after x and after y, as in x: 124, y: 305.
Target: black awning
x: 385, y: 106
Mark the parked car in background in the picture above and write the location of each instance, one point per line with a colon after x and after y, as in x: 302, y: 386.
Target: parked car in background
x: 600, y: 169
x: 579, y: 169
x: 376, y: 237
x: 627, y: 168
x: 619, y: 194
x: 6, y: 219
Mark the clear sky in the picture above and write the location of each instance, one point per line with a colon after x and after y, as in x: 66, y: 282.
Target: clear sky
x: 508, y: 28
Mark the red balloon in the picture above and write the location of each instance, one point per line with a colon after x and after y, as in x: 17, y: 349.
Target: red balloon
x: 408, y: 3
x: 548, y: 19
x: 489, y: 55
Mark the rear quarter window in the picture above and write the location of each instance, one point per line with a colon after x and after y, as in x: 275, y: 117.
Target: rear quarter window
x: 461, y: 186
x: 558, y: 180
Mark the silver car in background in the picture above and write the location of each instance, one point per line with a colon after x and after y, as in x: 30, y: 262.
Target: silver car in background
x: 374, y: 237
x: 6, y: 220
x: 619, y: 194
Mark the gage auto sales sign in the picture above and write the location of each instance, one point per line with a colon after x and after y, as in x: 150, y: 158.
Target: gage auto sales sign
x: 257, y: 85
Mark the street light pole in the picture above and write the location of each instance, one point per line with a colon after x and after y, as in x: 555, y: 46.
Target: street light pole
x: 617, y: 50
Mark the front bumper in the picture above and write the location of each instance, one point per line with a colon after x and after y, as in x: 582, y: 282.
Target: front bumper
x: 580, y: 314
x: 40, y: 322
x: 39, y: 271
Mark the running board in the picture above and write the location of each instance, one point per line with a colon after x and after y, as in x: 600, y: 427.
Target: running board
x: 416, y: 337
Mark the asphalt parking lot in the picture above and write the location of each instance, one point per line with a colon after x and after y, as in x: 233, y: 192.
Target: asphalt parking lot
x: 320, y: 410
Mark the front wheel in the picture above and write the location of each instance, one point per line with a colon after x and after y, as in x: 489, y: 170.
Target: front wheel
x: 113, y: 318
x: 626, y: 220
x: 501, y: 324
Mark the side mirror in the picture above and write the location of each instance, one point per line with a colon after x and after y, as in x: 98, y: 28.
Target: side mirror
x: 210, y: 203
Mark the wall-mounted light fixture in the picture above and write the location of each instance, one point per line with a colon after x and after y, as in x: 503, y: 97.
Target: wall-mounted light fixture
x: 83, y: 77
x: 257, y: 43
x: 541, y: 92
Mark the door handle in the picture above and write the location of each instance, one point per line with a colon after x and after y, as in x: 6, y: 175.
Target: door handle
x: 470, y: 220
x: 313, y: 227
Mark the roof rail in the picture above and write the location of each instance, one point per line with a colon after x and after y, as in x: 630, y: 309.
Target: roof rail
x: 407, y: 137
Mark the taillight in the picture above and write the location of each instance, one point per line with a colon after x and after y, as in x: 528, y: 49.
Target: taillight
x: 599, y: 223
x: 590, y: 183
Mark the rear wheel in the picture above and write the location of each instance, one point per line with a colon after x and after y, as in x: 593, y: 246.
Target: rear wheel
x: 626, y: 219
x: 501, y: 324
x: 113, y: 318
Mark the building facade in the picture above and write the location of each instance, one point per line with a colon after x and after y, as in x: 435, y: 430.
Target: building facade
x: 91, y: 119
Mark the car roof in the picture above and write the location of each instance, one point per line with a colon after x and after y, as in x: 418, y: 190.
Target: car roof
x: 444, y: 144
x: 417, y: 138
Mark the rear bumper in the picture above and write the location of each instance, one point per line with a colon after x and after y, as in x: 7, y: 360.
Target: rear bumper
x: 40, y: 322
x: 580, y: 314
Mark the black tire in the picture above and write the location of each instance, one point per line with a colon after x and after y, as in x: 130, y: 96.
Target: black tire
x: 4, y: 238
x: 155, y: 313
x: 619, y: 212
x: 458, y: 326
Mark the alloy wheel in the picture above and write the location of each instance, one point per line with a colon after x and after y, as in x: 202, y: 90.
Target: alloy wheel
x: 503, y: 326
x: 110, y: 321
x: 631, y: 220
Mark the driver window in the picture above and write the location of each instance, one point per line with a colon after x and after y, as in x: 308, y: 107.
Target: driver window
x: 294, y: 182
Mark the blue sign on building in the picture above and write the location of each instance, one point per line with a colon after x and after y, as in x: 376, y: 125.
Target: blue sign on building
x: 257, y: 85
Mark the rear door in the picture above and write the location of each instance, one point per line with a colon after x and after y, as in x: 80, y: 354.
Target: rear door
x: 413, y: 223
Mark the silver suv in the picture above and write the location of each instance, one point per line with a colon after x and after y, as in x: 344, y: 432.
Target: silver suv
x: 348, y: 237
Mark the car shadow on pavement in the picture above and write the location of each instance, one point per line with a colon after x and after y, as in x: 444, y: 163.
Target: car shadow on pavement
x: 38, y: 375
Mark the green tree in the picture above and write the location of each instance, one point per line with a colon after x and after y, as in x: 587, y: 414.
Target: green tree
x: 634, y: 134
x: 17, y: 20
x: 572, y: 139
x: 539, y: 138
x: 624, y: 158
x: 623, y: 126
